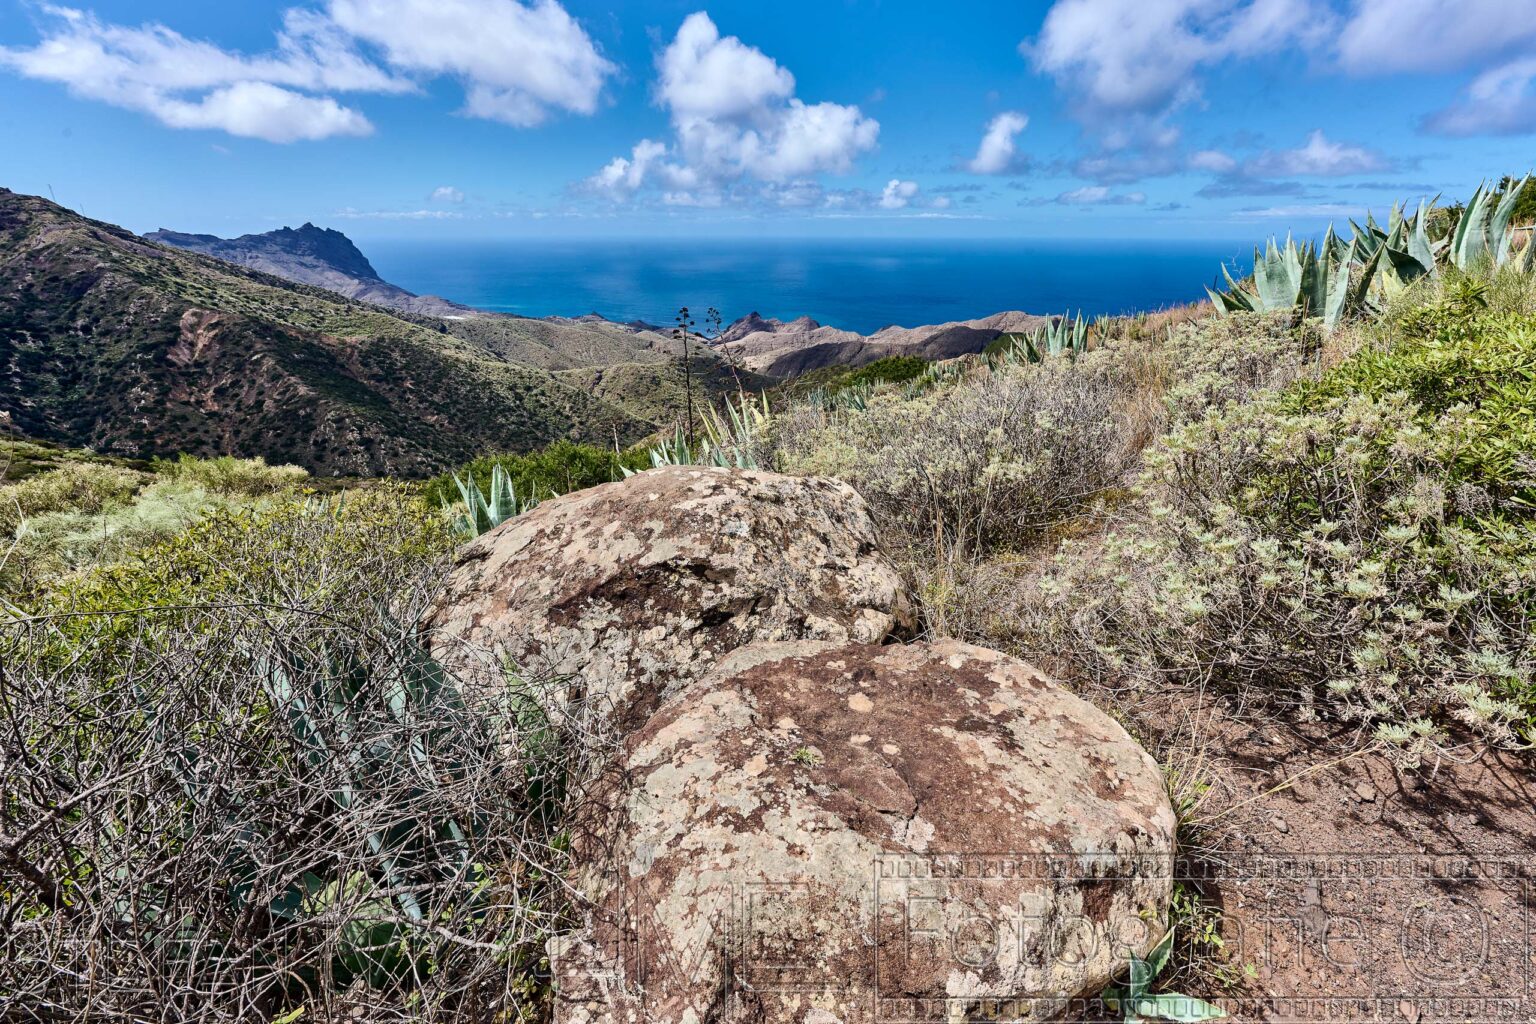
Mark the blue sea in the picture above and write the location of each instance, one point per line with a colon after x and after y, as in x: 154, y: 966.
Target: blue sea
x: 856, y: 285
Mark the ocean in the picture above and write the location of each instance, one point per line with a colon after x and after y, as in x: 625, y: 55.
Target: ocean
x: 856, y: 285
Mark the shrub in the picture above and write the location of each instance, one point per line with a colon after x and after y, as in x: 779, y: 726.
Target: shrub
x: 1220, y: 360
x: 58, y: 543
x: 228, y: 475
x: 890, y: 370
x: 239, y: 790
x: 988, y: 465
x: 82, y: 487
x: 359, y: 544
x: 1323, y: 556
x: 1471, y: 374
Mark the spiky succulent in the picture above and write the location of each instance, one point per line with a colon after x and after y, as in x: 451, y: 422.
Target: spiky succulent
x: 1484, y: 231
x: 1059, y: 336
x: 1315, y: 280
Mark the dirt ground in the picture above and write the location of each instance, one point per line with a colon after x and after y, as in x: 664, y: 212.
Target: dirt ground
x: 1348, y: 887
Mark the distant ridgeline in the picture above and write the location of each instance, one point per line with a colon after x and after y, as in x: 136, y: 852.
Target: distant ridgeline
x: 288, y: 345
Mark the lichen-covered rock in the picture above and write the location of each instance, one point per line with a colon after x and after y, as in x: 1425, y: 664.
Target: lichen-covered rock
x: 632, y: 589
x: 818, y: 833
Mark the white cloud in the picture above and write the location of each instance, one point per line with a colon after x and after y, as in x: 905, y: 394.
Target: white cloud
x: 998, y: 152
x: 518, y: 62
x: 705, y: 76
x: 897, y: 194
x: 185, y: 83
x: 447, y: 194
x: 259, y: 110
x: 1320, y: 157
x: 1100, y: 195
x: 1390, y: 36
x: 1212, y: 160
x: 735, y: 117
x: 1500, y: 101
x: 1139, y: 57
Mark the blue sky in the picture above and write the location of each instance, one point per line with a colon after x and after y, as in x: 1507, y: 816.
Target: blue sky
x: 503, y: 119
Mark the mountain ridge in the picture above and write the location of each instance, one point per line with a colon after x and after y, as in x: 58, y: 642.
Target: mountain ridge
x: 323, y: 257
x: 129, y: 347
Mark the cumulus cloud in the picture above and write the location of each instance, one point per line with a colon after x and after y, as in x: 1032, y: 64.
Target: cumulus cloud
x: 897, y: 194
x: 735, y: 117
x: 1319, y: 157
x: 1212, y: 160
x: 447, y: 194
x: 518, y: 62
x: 1390, y: 36
x: 1139, y: 57
x: 998, y: 152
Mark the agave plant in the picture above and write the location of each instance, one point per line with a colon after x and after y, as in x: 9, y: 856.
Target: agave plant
x: 730, y: 439
x: 1484, y: 231
x: 1136, y: 1003
x: 1058, y: 337
x: 482, y: 512
x: 1313, y: 279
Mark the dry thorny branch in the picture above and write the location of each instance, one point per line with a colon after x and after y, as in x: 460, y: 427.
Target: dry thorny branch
x: 232, y: 813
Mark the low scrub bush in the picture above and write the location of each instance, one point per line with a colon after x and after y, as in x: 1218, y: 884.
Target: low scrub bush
x: 237, y: 789
x: 969, y: 469
x: 1362, y: 545
x: 57, y: 543
x: 228, y: 475
x: 82, y: 487
x: 1219, y: 360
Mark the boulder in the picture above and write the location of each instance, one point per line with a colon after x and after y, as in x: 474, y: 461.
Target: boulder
x: 817, y: 832
x: 630, y: 590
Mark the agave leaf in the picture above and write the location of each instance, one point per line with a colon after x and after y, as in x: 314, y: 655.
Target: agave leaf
x: 1227, y: 302
x: 1277, y: 277
x: 1417, y: 241
x: 1471, y: 241
x: 1498, y: 228
x: 1397, y: 271
x: 1335, y: 292
x: 1157, y: 959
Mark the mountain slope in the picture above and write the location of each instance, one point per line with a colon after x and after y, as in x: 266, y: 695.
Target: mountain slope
x: 321, y: 257
x: 328, y: 259
x: 133, y: 348
x: 780, y: 349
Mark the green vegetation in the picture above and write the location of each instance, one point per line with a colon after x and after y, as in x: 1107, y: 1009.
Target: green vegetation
x: 84, y: 512
x: 1323, y: 505
x: 1136, y: 1000
x: 97, y: 325
x: 1340, y: 523
x: 260, y: 760
x: 559, y: 468
x: 1059, y: 337
x: 1337, y: 280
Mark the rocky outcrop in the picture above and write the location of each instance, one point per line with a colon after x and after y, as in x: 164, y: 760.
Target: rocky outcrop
x: 819, y: 833
x: 633, y: 589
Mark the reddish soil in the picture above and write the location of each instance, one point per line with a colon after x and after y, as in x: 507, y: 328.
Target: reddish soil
x: 1349, y: 887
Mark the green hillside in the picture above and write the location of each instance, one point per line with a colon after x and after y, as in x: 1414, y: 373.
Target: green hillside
x: 136, y: 349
